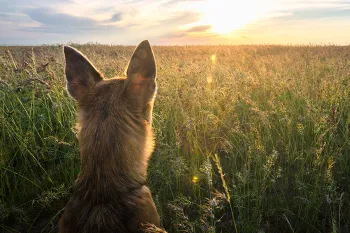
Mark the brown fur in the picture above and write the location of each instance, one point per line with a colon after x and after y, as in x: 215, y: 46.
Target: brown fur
x: 116, y: 141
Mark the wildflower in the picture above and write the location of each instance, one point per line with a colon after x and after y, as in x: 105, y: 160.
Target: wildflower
x: 300, y: 127
x: 330, y: 163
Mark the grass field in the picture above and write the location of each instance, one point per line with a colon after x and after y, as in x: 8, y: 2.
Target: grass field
x: 248, y: 138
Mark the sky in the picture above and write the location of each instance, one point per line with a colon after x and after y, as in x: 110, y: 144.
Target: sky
x: 175, y: 22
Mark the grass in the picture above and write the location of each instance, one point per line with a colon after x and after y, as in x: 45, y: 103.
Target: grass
x: 248, y: 138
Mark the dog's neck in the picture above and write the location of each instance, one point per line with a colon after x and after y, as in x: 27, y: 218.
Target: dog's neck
x: 108, y: 154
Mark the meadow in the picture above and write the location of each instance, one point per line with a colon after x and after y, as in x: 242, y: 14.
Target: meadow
x: 248, y: 138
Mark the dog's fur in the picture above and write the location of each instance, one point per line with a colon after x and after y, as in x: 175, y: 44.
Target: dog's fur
x: 116, y: 141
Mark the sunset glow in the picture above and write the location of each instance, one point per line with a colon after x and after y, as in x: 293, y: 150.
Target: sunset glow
x: 175, y: 22
x: 225, y: 17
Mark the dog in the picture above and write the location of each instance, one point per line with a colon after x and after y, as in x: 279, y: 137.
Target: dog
x: 116, y: 141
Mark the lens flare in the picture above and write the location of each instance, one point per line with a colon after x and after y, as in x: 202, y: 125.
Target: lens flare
x: 213, y: 58
x: 209, y: 79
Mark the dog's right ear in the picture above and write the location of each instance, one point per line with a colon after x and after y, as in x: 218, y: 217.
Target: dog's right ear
x: 81, y: 75
x: 140, y: 85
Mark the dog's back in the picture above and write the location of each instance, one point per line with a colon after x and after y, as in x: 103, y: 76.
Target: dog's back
x: 116, y: 141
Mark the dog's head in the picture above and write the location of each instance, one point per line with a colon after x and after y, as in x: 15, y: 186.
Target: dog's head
x: 114, y: 114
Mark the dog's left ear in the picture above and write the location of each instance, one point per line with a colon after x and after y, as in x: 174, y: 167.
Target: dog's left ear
x: 81, y: 74
x: 141, y: 74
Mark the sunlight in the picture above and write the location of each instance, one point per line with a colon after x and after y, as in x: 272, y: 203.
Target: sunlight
x: 225, y: 18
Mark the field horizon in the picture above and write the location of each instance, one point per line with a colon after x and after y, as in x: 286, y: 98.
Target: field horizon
x: 249, y: 138
x: 178, y: 45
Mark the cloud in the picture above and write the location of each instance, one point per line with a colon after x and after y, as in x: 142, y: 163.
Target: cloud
x: 116, y: 17
x: 201, y: 28
x: 166, y: 22
x: 186, y: 34
x: 19, y: 5
x: 318, y: 14
x: 174, y: 2
x: 181, y: 18
x: 133, y: 1
x: 54, y: 22
x: 53, y: 19
x: 14, y: 18
x: 174, y: 35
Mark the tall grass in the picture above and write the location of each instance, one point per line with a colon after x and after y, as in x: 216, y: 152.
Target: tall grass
x: 248, y: 138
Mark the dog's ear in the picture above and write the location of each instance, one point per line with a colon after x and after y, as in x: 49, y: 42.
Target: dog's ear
x: 141, y: 74
x: 81, y: 75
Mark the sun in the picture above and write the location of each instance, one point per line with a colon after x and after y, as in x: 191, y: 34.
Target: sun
x: 228, y: 16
